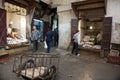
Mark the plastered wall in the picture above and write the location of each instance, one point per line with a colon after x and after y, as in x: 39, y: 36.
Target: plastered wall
x: 113, y: 10
x: 64, y: 28
x: 65, y: 14
x: 18, y: 22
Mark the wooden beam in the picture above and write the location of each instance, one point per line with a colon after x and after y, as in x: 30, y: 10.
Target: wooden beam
x: 75, y: 11
x: 32, y: 5
x: 16, y: 3
x: 91, y: 6
x: 88, y: 5
x: 93, y: 16
x: 22, y: 2
x: 87, y: 2
x: 91, y: 9
x: 100, y: 20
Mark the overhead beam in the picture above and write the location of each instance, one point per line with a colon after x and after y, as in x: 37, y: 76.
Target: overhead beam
x: 22, y: 2
x: 87, y: 2
x: 92, y: 16
x: 75, y: 11
x: 91, y: 6
x: 32, y: 5
x: 16, y: 3
x: 88, y: 5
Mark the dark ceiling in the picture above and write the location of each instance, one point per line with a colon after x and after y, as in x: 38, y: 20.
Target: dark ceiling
x: 88, y: 9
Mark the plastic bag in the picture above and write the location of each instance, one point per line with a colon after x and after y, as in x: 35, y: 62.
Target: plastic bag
x: 45, y: 45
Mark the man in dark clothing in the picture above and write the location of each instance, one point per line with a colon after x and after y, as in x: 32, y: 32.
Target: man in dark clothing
x: 48, y: 39
x: 35, y: 37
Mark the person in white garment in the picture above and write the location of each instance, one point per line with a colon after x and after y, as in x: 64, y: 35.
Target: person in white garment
x: 75, y: 44
x: 9, y: 29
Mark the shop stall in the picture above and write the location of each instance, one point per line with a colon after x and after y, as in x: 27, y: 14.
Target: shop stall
x: 94, y: 27
x: 16, y: 26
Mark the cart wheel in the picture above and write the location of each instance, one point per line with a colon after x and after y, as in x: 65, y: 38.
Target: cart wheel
x: 49, y: 73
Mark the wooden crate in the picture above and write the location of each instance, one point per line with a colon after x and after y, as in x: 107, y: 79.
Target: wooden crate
x: 113, y: 57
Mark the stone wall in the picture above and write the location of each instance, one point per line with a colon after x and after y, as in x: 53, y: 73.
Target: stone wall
x: 113, y: 10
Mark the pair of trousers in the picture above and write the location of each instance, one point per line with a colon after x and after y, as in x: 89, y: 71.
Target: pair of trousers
x: 48, y: 46
x: 75, y: 48
x: 35, y: 45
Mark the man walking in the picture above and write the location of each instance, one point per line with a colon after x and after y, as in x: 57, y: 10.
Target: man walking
x: 75, y: 44
x: 35, y: 37
x: 48, y: 39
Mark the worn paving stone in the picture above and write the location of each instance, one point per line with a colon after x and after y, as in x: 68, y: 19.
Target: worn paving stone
x: 71, y: 67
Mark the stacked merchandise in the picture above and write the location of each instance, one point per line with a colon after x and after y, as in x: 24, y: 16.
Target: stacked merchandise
x: 15, y: 43
x: 89, y: 42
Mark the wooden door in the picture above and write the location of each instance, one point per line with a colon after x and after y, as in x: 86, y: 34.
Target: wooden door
x: 106, y: 37
x: 3, y: 30
x: 45, y: 28
x: 74, y: 27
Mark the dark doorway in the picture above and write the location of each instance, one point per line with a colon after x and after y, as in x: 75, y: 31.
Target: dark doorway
x: 46, y: 28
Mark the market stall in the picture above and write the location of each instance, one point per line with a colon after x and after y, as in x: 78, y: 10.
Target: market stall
x: 16, y: 26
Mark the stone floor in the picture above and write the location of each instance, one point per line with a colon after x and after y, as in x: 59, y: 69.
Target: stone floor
x: 84, y: 67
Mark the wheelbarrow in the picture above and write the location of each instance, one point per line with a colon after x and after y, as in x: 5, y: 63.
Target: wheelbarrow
x: 36, y: 66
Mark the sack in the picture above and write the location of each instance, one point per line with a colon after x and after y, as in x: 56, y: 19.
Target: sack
x: 45, y: 45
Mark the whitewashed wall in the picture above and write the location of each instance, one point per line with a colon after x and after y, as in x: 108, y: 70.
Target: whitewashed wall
x: 46, y: 1
x: 65, y: 28
x: 113, y: 10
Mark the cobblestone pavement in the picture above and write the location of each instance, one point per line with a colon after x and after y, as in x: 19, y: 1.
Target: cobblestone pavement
x: 71, y: 67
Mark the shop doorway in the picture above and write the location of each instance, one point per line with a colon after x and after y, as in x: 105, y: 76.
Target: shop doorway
x: 15, y: 26
x: 93, y: 24
x: 54, y: 27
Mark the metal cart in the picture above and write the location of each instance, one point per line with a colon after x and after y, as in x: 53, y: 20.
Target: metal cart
x: 36, y: 66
